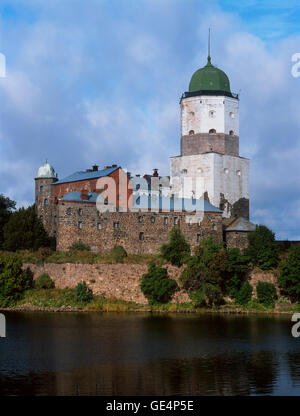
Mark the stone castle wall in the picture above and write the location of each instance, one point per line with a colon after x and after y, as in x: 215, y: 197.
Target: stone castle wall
x: 194, y: 144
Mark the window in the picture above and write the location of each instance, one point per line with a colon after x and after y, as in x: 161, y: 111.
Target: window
x: 80, y: 211
x: 226, y: 170
x: 79, y: 225
x: 231, y: 133
x: 200, y: 170
x: 116, y: 225
x: 141, y: 236
x: 199, y: 222
x: 152, y: 219
x: 99, y: 226
x: 69, y: 211
x: 46, y: 201
x: 211, y: 114
x: 198, y: 238
x: 212, y: 131
x: 166, y: 220
x: 239, y: 173
x: 231, y: 114
x: 41, y: 188
x: 140, y: 218
x: 214, y: 227
x: 184, y: 171
x: 175, y: 220
x: 191, y: 132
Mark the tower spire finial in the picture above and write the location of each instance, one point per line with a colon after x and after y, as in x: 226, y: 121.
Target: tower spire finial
x: 208, y: 56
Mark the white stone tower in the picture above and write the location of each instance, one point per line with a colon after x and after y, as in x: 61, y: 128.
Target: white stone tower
x: 209, y: 165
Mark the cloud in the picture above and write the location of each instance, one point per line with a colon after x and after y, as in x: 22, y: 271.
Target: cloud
x: 100, y: 83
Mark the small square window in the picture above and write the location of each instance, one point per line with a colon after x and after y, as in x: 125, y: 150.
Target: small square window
x: 116, y: 225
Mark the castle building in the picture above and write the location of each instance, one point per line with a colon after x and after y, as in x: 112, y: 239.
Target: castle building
x: 206, y: 195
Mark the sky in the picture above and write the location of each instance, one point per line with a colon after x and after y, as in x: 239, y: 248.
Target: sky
x: 99, y: 81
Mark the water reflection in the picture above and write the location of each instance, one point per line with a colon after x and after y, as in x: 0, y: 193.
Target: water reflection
x: 141, y: 354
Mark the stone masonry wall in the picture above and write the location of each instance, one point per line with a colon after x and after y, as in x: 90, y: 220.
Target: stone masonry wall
x: 203, y: 142
x: 118, y: 280
x: 137, y: 232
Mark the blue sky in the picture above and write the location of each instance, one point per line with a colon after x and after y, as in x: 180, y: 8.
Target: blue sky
x: 99, y: 81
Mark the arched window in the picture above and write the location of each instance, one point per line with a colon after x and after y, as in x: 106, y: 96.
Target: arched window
x: 231, y: 132
x: 212, y: 131
x: 191, y: 132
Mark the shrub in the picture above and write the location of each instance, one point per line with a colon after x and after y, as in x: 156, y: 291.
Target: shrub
x: 156, y: 285
x: 79, y: 246
x: 289, y: 274
x: 118, y: 253
x: 13, y: 280
x: 177, y: 249
x: 244, y: 295
x: 83, y: 292
x: 266, y: 293
x: 44, y: 281
x: 198, y: 298
x: 262, y: 248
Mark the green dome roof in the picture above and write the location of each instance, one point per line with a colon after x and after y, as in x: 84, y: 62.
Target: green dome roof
x: 209, y: 78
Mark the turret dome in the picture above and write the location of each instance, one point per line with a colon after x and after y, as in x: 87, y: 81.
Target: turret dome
x: 210, y: 78
x: 46, y: 171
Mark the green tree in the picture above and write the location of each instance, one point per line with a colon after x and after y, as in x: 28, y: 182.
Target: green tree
x: 44, y: 281
x: 289, y: 277
x: 177, y: 249
x: 118, y: 253
x: 266, y: 293
x: 238, y: 270
x: 7, y: 206
x: 13, y: 280
x: 24, y: 231
x: 156, y: 284
x: 244, y: 295
x: 262, y: 248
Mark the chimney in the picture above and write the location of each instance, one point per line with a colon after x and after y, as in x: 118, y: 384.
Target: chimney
x: 84, y: 195
x: 95, y: 168
x: 155, y: 173
x: 114, y: 166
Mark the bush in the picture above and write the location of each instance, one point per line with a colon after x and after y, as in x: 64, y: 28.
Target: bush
x: 244, y: 295
x: 83, y: 293
x: 177, y: 250
x: 262, y: 248
x: 44, y: 281
x: 198, y: 298
x: 156, y: 285
x: 118, y: 253
x: 266, y: 293
x: 79, y: 246
x: 13, y: 280
x: 289, y: 277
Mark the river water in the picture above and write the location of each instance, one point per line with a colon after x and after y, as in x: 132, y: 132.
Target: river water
x: 148, y: 354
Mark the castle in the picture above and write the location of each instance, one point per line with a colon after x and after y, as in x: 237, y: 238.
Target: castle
x: 206, y: 195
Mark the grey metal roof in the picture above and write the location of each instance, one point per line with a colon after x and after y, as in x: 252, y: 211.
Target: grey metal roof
x: 241, y: 224
x: 83, y: 175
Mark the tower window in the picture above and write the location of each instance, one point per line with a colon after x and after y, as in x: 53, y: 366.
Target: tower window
x: 80, y: 211
x: 141, y: 236
x: 69, y: 211
x: 231, y: 114
x: 175, y: 220
x: 99, y: 226
x: 140, y: 218
x: 41, y: 188
x: 211, y: 114
x: 238, y: 172
x: 191, y: 132
x: 79, y: 225
x: 46, y: 202
x: 231, y: 132
x: 116, y: 225
x: 152, y: 219
x: 184, y: 171
x: 212, y: 131
x: 226, y: 170
x: 165, y: 220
